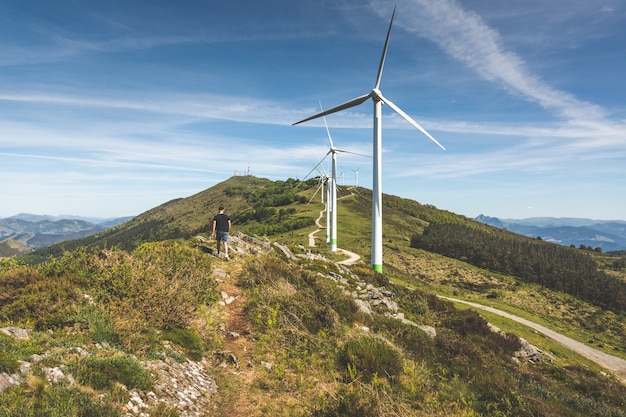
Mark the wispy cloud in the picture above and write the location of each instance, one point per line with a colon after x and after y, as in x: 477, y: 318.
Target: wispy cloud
x: 464, y: 35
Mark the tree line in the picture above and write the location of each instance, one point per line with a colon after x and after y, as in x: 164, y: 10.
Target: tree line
x: 552, y: 266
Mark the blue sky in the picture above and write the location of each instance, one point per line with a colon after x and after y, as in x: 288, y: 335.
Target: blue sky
x: 111, y: 108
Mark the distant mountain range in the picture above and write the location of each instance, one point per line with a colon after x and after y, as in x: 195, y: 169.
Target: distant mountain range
x: 610, y: 235
x: 26, y: 230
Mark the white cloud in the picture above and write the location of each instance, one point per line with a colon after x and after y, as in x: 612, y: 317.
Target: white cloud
x: 463, y: 35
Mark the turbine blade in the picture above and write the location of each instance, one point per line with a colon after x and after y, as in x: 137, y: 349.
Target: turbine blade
x: 316, y: 165
x: 330, y: 139
x: 354, y: 102
x: 379, y: 76
x: 315, y: 193
x: 408, y: 119
x: 353, y: 153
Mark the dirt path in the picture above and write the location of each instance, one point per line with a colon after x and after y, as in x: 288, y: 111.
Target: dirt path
x: 319, y: 227
x: 352, y: 257
x: 609, y: 362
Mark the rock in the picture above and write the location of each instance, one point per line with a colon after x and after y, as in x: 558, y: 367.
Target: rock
x: 220, y: 272
x: 227, y: 299
x: 15, y: 332
x: 530, y: 353
x: 364, y: 306
x: 429, y: 330
x: 391, y: 305
x: 527, y: 352
x: 7, y: 381
x: 285, y: 250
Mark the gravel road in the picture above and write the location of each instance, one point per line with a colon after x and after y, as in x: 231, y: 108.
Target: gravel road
x: 612, y: 363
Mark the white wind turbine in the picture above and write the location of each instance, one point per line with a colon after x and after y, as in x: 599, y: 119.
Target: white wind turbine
x: 331, y: 201
x: 377, y: 197
x: 356, y: 176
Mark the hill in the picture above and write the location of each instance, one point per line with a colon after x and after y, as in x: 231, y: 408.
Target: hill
x: 11, y: 247
x: 165, y: 328
x: 606, y: 235
x: 35, y: 231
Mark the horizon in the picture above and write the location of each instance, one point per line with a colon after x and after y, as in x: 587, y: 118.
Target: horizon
x: 108, y: 109
x: 78, y: 216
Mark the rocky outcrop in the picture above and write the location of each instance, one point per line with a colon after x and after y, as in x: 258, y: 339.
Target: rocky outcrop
x: 372, y: 299
x: 184, y: 386
x: 527, y: 352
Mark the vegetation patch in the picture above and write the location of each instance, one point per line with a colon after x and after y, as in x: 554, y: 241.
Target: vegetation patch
x: 368, y: 357
x: 103, y: 372
x: 188, y: 339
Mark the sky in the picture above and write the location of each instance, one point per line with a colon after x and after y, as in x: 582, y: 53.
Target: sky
x: 111, y: 108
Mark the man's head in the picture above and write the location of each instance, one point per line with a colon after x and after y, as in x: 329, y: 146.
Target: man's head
x: 221, y: 208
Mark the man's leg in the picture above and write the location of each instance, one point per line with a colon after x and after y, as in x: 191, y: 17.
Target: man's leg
x: 225, y: 240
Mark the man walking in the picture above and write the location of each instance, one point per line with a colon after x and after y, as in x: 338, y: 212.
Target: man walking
x: 221, y: 228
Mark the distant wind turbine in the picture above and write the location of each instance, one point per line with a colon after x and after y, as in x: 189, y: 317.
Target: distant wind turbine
x: 331, y: 201
x: 378, y: 99
x: 356, y: 176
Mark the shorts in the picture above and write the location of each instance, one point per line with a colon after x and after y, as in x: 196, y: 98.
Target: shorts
x: 222, y: 236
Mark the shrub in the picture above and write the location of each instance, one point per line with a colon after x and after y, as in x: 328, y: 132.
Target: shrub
x: 7, y: 264
x: 188, y: 339
x: 411, y: 339
x: 8, y: 363
x: 43, y: 301
x: 52, y: 401
x: 367, y: 356
x: 98, y: 323
x: 102, y: 372
x: 466, y: 322
x: 159, y: 286
x: 348, y: 402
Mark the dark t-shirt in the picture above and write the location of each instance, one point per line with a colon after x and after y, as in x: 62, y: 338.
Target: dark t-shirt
x: 221, y: 222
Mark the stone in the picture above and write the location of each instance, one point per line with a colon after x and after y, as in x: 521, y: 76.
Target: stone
x: 364, y: 306
x: 15, y: 332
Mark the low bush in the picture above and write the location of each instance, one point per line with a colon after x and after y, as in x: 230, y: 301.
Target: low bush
x: 350, y: 401
x: 188, y: 339
x: 365, y: 357
x: 8, y: 363
x: 103, y: 372
x: 53, y: 401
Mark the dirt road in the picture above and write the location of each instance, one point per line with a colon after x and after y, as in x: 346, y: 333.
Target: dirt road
x: 612, y: 363
x: 352, y: 257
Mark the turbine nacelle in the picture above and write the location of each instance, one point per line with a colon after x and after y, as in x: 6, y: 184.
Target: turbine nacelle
x: 377, y: 95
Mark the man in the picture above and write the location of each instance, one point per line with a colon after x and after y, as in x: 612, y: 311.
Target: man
x: 221, y: 228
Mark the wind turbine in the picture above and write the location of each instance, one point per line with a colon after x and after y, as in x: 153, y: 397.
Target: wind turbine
x: 377, y: 197
x: 356, y: 176
x: 331, y: 201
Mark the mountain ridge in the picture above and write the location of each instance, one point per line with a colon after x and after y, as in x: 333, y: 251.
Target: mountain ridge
x: 609, y: 235
x: 37, y: 231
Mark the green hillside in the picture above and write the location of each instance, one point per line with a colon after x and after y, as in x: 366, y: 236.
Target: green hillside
x: 143, y: 319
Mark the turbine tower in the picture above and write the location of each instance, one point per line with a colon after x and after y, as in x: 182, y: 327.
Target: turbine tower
x: 377, y: 197
x: 356, y: 176
x: 331, y: 201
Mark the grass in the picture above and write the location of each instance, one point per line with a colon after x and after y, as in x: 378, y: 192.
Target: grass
x: 305, y: 351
